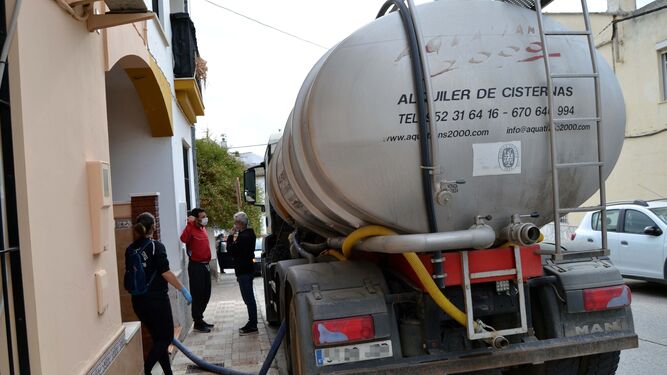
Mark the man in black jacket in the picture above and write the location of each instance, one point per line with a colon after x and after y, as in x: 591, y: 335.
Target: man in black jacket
x: 241, y: 245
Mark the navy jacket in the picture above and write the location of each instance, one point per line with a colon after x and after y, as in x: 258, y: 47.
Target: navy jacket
x: 243, y: 251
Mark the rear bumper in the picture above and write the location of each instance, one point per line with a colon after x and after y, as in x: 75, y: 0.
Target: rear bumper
x: 483, y: 359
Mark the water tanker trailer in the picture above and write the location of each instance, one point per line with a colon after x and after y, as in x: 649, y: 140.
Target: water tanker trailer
x: 405, y: 195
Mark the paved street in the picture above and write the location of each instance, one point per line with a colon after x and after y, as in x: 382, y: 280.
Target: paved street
x: 224, y: 345
x: 649, y: 307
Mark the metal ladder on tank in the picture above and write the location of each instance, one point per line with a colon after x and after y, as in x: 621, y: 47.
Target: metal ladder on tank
x: 558, y: 255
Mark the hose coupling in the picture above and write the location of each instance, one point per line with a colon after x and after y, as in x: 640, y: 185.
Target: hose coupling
x: 498, y: 342
x: 522, y: 234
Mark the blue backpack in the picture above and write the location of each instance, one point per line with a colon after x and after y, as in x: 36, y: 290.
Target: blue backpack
x: 136, y: 281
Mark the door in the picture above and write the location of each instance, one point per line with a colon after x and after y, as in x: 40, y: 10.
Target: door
x: 594, y: 239
x: 640, y: 253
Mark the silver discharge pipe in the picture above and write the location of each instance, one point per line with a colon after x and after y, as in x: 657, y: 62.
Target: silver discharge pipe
x: 477, y: 237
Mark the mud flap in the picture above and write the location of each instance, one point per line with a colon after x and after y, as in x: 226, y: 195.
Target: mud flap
x: 325, y: 291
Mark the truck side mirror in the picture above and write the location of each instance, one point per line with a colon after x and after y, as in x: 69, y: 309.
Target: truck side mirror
x: 653, y: 231
x: 249, y: 186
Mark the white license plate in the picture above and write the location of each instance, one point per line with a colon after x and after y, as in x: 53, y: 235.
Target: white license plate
x: 353, y: 353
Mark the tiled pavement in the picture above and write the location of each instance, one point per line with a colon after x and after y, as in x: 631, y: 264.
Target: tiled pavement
x: 223, y: 344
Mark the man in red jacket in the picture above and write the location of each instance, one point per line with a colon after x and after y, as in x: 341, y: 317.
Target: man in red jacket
x: 195, y: 239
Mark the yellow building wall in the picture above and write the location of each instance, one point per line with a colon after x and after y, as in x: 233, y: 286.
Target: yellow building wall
x: 638, y: 173
x: 639, y: 74
x: 575, y: 21
x: 57, y: 79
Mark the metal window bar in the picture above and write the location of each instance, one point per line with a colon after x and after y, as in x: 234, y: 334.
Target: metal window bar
x: 555, y: 166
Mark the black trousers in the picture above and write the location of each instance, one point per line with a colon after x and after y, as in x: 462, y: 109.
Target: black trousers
x: 200, y: 288
x: 222, y: 270
x: 248, y: 295
x: 154, y: 312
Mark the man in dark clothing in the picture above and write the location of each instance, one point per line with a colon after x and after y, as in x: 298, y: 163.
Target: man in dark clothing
x: 195, y: 238
x: 241, y: 245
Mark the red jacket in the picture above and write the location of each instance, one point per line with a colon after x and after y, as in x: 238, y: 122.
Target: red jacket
x: 196, y: 241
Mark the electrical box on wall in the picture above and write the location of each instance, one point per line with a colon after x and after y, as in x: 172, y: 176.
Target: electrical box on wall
x: 99, y: 195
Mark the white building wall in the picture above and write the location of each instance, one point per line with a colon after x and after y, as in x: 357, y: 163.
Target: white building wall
x: 159, y: 42
x: 181, y: 137
x: 173, y: 207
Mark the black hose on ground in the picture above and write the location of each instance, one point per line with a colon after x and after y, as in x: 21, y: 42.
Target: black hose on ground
x: 274, y: 348
x: 203, y: 364
x: 227, y: 371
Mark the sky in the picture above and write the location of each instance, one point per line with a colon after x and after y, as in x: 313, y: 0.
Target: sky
x: 255, y: 71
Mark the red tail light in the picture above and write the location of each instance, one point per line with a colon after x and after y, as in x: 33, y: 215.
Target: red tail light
x: 573, y: 236
x: 345, y: 330
x: 607, y: 298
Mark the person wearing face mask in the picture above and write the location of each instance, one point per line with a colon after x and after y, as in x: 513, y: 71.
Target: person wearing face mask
x: 241, y: 244
x: 196, y: 241
x: 152, y: 305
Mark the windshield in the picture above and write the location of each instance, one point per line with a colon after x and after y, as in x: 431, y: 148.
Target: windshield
x: 660, y: 212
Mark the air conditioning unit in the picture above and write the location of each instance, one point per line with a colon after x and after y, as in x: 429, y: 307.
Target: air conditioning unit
x: 126, y: 6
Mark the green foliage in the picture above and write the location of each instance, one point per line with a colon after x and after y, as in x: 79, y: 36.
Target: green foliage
x: 218, y: 173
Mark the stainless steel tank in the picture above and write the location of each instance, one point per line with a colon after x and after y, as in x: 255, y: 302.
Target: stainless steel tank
x: 349, y: 154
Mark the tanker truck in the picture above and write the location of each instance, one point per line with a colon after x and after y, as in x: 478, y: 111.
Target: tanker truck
x: 405, y: 195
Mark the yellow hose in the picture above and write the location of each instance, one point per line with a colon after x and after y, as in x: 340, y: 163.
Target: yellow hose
x: 445, y: 304
x: 433, y: 290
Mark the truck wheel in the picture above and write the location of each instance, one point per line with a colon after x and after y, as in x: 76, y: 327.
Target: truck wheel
x: 600, y: 364
x: 272, y: 316
x: 561, y: 367
x: 287, y: 341
x: 546, y: 321
x: 294, y: 347
x: 566, y: 366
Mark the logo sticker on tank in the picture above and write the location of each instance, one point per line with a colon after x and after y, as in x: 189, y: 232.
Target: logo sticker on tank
x: 499, y: 158
x: 508, y: 157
